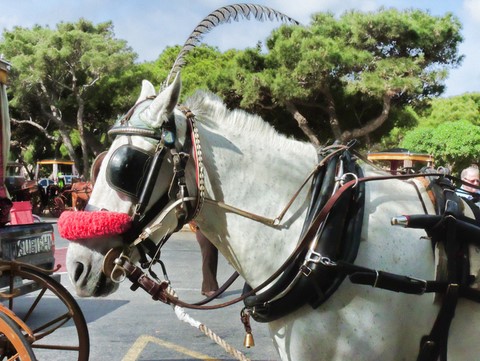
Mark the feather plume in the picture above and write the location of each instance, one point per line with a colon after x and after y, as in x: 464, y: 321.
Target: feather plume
x: 225, y: 15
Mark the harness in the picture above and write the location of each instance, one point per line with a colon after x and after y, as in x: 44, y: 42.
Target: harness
x: 307, y: 279
x: 328, y: 245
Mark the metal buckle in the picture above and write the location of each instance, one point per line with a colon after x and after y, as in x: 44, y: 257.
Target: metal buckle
x: 423, y: 282
x: 343, y: 179
x: 317, y: 258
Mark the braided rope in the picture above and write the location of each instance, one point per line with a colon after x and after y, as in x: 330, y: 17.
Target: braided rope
x: 231, y: 350
x: 183, y: 316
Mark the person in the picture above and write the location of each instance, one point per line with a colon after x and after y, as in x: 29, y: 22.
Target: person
x: 209, y: 262
x: 61, y: 180
x: 471, y: 175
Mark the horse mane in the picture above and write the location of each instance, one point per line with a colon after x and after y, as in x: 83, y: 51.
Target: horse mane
x: 210, y: 110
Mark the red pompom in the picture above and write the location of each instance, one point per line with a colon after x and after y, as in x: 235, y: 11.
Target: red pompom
x: 76, y: 226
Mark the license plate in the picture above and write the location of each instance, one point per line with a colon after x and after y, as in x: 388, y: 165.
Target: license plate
x: 32, y: 245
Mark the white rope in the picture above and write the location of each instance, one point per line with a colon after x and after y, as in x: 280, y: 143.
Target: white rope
x: 184, y: 317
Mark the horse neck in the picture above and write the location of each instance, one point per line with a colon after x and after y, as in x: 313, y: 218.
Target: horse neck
x: 259, y: 176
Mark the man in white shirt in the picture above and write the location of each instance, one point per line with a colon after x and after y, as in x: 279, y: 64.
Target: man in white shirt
x: 470, y: 175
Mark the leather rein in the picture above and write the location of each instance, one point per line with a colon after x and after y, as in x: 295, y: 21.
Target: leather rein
x: 158, y: 288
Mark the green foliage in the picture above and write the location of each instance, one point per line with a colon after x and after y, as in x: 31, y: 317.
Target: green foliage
x: 462, y: 107
x: 449, y: 129
x: 454, y: 144
x: 67, y: 79
x: 365, y: 75
x: 359, y: 60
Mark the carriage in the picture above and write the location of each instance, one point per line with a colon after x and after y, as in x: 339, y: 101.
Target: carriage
x: 58, y: 187
x: 39, y: 318
x: 46, y: 191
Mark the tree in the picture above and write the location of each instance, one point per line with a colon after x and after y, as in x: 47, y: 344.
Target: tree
x: 450, y: 130
x: 454, y: 144
x: 58, y: 76
x: 462, y: 107
x: 341, y: 78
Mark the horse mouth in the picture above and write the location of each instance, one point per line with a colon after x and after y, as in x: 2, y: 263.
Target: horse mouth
x: 103, y: 287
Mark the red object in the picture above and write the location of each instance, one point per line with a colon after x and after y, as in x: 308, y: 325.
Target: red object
x: 21, y: 213
x: 79, y: 225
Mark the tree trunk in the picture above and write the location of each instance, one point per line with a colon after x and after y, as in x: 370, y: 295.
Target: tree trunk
x: 303, y: 124
x: 56, y: 116
x: 83, y: 142
x: 371, y: 125
x: 332, y: 115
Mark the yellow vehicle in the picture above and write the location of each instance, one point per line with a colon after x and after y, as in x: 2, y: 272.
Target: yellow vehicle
x: 50, y: 168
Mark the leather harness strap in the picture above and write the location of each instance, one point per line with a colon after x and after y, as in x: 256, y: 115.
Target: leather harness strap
x: 304, y: 241
x: 451, y: 223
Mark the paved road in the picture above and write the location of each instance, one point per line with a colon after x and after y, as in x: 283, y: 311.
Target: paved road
x: 130, y: 326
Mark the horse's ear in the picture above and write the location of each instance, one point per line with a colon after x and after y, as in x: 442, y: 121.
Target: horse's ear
x: 148, y: 90
x: 164, y: 104
x: 176, y: 87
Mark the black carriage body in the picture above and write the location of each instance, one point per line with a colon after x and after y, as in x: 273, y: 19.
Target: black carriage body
x: 28, y: 243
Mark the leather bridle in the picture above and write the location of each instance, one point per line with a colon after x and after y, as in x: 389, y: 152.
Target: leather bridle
x: 186, y: 206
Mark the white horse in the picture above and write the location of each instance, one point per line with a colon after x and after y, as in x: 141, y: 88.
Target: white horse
x: 250, y: 166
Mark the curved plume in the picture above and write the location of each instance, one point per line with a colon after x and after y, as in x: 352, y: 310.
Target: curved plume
x: 220, y: 16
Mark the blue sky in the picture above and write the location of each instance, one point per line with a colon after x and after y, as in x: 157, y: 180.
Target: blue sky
x: 150, y: 25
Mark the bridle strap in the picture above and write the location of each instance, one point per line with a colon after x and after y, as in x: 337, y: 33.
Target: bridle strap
x: 126, y: 130
x: 152, y: 175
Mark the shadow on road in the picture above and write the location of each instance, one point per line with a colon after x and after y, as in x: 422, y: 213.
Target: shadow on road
x: 99, y: 308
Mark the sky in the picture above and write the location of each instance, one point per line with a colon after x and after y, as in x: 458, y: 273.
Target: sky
x: 149, y: 26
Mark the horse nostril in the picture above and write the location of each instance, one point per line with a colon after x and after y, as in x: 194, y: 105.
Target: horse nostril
x: 78, y: 271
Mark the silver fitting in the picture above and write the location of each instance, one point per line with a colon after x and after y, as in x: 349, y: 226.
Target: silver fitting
x: 399, y: 221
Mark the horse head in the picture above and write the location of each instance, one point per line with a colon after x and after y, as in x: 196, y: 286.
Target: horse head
x: 118, y: 203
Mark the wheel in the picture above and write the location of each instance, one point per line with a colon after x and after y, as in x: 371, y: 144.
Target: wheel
x: 56, y: 206
x: 56, y: 321
x: 13, y: 344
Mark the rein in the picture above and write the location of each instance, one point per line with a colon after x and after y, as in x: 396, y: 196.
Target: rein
x: 160, y: 293
x: 140, y: 232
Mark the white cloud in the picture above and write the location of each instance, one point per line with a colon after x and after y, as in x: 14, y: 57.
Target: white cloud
x: 472, y: 8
